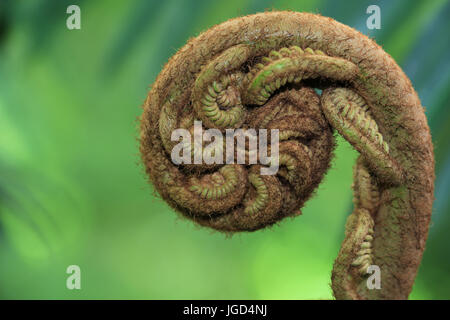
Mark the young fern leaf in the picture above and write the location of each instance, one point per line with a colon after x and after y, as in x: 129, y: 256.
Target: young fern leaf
x: 257, y: 72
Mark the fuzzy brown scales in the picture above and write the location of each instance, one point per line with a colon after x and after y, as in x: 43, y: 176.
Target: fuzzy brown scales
x: 254, y: 72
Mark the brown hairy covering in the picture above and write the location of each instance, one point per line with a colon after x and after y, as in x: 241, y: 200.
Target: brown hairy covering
x: 238, y: 198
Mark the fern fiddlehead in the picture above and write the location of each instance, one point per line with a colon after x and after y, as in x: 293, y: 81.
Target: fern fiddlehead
x: 260, y: 72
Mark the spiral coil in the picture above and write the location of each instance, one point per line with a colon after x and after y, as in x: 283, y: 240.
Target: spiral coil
x: 306, y: 76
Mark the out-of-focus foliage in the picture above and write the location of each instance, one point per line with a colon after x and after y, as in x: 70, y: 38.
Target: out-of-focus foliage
x: 72, y: 190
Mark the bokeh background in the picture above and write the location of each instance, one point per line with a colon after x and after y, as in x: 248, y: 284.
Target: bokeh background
x: 72, y: 190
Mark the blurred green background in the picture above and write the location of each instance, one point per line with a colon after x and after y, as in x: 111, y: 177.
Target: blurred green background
x: 72, y: 190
